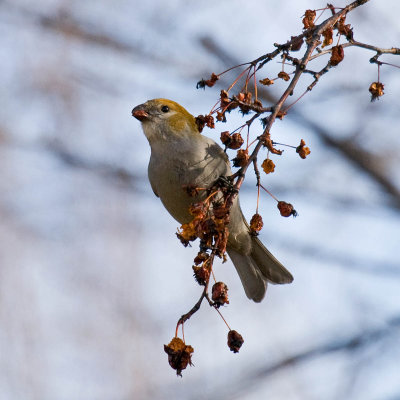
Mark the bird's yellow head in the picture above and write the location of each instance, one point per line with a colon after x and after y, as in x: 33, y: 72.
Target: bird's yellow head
x: 165, y: 119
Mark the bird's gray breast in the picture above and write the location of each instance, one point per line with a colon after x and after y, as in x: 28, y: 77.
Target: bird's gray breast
x: 199, y: 165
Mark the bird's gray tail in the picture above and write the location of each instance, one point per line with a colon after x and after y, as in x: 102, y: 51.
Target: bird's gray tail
x: 268, y: 265
x: 257, y: 269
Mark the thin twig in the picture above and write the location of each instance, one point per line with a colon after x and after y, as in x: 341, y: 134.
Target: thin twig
x: 354, y: 43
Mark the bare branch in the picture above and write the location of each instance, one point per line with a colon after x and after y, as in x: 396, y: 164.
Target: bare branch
x: 359, y: 157
x: 354, y: 43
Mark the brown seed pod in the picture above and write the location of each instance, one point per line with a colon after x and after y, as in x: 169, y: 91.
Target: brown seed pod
x: 286, y: 209
x: 337, y: 55
x: 235, y: 341
x: 376, y: 90
x: 201, y: 274
x: 302, y: 150
x: 179, y: 354
x: 241, y: 159
x: 268, y: 166
x: 284, y: 75
x: 256, y: 224
x: 236, y: 141
x: 220, y: 294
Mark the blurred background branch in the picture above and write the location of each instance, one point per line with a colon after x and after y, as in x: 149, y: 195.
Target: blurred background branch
x: 351, y: 346
x: 91, y: 274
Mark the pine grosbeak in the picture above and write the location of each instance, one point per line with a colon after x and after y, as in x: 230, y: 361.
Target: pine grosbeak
x: 181, y: 156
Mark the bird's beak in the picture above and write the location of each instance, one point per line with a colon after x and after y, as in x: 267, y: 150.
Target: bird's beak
x: 140, y: 113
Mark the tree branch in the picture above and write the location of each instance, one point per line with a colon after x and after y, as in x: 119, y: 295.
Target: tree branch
x: 360, y: 158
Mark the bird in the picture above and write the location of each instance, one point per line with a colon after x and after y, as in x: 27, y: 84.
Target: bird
x: 182, y: 156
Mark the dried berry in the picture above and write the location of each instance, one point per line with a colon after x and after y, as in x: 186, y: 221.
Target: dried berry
x: 268, y: 166
x: 221, y: 116
x: 188, y: 233
x: 344, y: 29
x: 241, y: 159
x: 284, y: 75
x: 256, y: 224
x: 337, y: 55
x: 376, y: 90
x: 202, y: 120
x: 235, y: 341
x: 269, y: 144
x: 302, y: 150
x: 308, y: 20
x: 201, y: 274
x: 297, y: 42
x: 267, y: 82
x: 224, y: 99
x: 222, y: 242
x: 286, y: 209
x: 198, y: 210
x: 247, y: 97
x: 233, y: 141
x: 209, y: 119
x: 243, y: 101
x: 209, y: 82
x: 219, y: 210
x: 240, y: 96
x: 236, y: 141
x: 201, y: 257
x: 328, y: 37
x: 179, y: 355
x: 220, y: 294
x: 225, y: 138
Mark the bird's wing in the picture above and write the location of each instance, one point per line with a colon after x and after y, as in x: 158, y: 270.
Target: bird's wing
x: 154, y: 191
x: 151, y: 180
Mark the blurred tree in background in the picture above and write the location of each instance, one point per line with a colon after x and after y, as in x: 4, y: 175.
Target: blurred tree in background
x: 91, y: 275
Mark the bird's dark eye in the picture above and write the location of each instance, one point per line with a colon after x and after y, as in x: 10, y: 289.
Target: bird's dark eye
x: 164, y: 109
